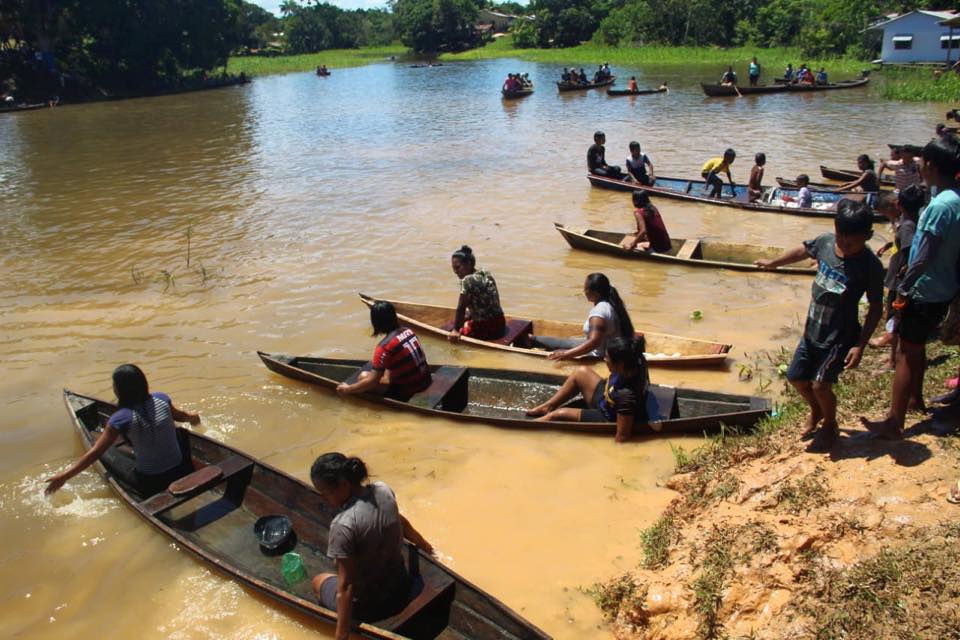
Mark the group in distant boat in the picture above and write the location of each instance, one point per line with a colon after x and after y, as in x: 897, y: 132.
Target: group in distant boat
x: 517, y: 82
x: 572, y: 76
x: 322, y: 70
x: 805, y: 76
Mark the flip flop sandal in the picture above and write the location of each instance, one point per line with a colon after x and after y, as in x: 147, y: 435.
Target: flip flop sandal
x: 953, y: 495
x: 952, y: 383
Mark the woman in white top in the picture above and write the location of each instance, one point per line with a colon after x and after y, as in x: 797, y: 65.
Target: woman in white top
x: 607, y: 319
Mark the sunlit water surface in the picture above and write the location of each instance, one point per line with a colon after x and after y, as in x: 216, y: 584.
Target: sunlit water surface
x: 289, y: 196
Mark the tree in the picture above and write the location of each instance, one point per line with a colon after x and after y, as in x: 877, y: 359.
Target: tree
x: 429, y: 26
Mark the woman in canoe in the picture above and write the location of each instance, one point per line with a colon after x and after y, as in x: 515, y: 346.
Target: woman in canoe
x: 651, y: 234
x: 366, y: 542
x: 867, y: 181
x: 147, y: 421
x: 607, y: 319
x: 620, y: 398
x: 399, y: 355
x: 479, y: 314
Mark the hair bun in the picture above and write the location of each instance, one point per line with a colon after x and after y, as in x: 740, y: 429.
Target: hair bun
x: 465, y: 249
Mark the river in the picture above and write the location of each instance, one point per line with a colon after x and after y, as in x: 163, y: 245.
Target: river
x: 289, y: 196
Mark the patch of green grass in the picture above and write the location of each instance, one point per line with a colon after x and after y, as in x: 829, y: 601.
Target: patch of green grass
x: 621, y: 592
x: 803, y: 494
x: 772, y: 60
x: 717, y: 562
x: 656, y: 540
x: 333, y: 58
x: 920, y: 85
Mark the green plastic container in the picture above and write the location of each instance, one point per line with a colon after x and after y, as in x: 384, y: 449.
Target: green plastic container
x: 291, y: 566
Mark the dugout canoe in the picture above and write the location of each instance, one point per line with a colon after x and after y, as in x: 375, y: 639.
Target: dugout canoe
x: 518, y: 93
x: 825, y: 203
x: 213, y: 519
x: 662, y: 349
x: 693, y: 252
x: 787, y: 183
x: 848, y: 175
x: 500, y: 397
x: 24, y: 107
x: 576, y: 86
x: 718, y: 90
x: 638, y: 92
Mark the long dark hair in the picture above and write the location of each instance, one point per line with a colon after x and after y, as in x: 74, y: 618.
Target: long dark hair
x: 130, y: 385
x: 600, y: 285
x: 865, y: 159
x: 333, y: 468
x: 383, y: 317
x: 630, y: 353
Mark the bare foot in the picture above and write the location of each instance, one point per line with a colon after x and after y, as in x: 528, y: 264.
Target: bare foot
x: 539, y: 410
x: 810, y: 426
x: 824, y: 439
x: 882, y: 341
x: 917, y: 405
x: 885, y: 429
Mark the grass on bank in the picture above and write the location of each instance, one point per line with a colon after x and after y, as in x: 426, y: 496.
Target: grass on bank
x: 772, y: 61
x: 333, y: 58
x: 920, y: 85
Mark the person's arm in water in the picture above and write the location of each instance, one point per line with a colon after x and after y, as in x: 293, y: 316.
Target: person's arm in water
x: 597, y: 328
x: 460, y: 317
x: 346, y: 576
x: 414, y: 536
x: 107, y: 437
x: 184, y: 416
x: 787, y: 257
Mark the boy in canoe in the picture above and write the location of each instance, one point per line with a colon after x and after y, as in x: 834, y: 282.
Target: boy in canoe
x: 713, y: 168
x: 833, y: 339
x: 637, y: 165
x: 755, y: 184
x: 597, y: 161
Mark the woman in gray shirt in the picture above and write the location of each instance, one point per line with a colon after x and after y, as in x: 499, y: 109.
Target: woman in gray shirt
x: 366, y: 542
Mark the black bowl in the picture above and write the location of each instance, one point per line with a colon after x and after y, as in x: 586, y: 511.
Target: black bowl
x: 275, y: 534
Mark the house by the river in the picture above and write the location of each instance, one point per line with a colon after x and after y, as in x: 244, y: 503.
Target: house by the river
x: 919, y: 37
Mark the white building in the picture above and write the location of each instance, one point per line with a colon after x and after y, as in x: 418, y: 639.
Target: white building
x: 918, y: 36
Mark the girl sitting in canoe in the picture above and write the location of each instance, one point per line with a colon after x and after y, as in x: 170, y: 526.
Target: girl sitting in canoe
x: 867, y: 181
x: 147, y: 421
x: 651, y: 234
x: 399, y: 355
x: 366, y: 542
x: 620, y: 398
x: 479, y: 314
x: 607, y: 319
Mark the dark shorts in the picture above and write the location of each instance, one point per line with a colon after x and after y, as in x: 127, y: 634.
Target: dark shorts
x: 487, y: 329
x: 592, y: 413
x: 328, y: 599
x: 919, y: 320
x: 817, y: 364
x: 328, y: 593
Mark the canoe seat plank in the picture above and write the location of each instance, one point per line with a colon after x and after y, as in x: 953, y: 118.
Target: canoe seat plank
x: 666, y: 401
x: 232, y: 466
x: 200, y: 478
x: 432, y: 598
x: 448, y: 391
x: 690, y: 250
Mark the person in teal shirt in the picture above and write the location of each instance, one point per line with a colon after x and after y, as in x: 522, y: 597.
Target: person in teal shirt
x: 754, y: 72
x: 929, y: 285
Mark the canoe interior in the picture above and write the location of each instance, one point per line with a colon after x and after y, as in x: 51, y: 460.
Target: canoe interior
x: 576, y: 86
x: 712, y: 251
x: 217, y: 524
x: 788, y: 183
x: 501, y: 395
x: 638, y: 92
x: 658, y: 345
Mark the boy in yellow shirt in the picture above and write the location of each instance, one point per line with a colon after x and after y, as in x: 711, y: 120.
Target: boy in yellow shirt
x: 713, y: 168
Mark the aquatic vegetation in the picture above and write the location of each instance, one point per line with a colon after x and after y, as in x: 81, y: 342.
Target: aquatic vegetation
x: 169, y: 276
x: 920, y: 85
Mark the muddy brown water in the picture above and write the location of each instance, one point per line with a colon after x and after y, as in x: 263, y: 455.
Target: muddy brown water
x: 296, y: 193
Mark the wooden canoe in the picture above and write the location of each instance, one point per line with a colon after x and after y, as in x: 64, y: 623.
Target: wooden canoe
x: 662, y: 349
x: 638, y: 92
x: 500, y: 397
x: 848, y: 175
x: 576, y: 86
x: 694, y: 253
x: 718, y: 90
x: 214, y: 520
x: 787, y: 183
x: 23, y: 107
x: 825, y: 203
x: 518, y: 93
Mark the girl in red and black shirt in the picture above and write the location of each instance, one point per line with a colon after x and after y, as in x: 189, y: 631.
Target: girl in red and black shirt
x: 399, y: 354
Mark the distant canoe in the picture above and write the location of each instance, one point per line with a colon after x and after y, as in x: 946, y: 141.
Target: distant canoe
x: 770, y: 202
x: 662, y: 349
x: 848, y: 175
x: 576, y: 86
x: 426, y: 66
x: 213, y: 512
x: 500, y: 397
x: 323, y: 74
x: 717, y: 90
x: 693, y: 253
x: 23, y: 107
x: 787, y: 183
x: 517, y: 93
x: 638, y: 92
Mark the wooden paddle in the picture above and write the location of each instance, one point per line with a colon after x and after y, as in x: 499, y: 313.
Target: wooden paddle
x: 739, y: 95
